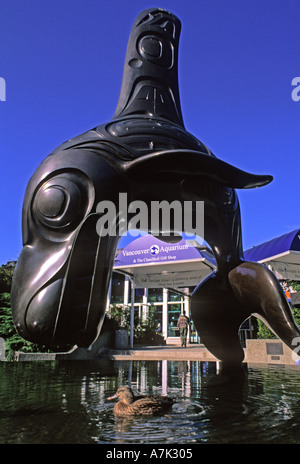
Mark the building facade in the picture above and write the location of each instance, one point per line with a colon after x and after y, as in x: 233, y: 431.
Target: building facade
x: 154, y: 275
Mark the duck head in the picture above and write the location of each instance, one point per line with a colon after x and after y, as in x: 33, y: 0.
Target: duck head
x: 124, y: 394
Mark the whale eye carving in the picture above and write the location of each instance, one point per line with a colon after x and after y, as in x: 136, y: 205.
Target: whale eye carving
x: 50, y: 201
x: 57, y: 202
x: 61, y: 203
x: 156, y: 50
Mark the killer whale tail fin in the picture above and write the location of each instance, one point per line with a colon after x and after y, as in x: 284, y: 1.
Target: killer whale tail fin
x: 220, y: 304
x: 254, y: 284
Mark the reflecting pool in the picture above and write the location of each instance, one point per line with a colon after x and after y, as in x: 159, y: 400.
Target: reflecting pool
x: 66, y: 402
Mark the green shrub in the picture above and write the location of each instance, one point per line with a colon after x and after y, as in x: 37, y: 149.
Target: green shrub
x: 265, y: 332
x: 13, y: 341
x: 144, y: 332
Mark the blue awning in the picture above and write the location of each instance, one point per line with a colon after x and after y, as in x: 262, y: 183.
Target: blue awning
x: 153, y: 263
x: 149, y: 250
x: 281, y: 255
x: 274, y: 248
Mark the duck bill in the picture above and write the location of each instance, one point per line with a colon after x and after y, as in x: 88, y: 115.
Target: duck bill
x: 114, y: 397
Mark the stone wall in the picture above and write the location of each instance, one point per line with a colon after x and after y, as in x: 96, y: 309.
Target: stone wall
x: 268, y: 351
x: 103, y: 342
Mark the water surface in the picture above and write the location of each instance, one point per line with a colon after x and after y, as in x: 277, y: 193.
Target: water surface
x: 66, y: 403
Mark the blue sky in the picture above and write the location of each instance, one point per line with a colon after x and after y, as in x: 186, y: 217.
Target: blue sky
x: 62, y: 62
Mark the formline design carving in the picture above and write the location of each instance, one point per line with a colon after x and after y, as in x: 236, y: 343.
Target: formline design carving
x: 60, y: 285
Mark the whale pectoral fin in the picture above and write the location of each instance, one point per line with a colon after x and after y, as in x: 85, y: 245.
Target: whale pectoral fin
x: 255, y: 286
x: 217, y: 315
x: 173, y: 165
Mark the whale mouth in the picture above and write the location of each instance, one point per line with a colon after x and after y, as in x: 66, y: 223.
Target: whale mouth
x: 83, y: 301
x: 73, y: 305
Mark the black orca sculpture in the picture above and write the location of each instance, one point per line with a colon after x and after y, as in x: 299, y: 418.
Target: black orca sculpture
x: 62, y: 277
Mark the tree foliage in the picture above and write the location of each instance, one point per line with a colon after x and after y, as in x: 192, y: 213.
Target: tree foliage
x: 264, y: 331
x: 6, y: 275
x: 13, y: 341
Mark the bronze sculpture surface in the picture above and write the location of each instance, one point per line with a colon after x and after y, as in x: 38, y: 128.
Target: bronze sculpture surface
x: 61, y: 281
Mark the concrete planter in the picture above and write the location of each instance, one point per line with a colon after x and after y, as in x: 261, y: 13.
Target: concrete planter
x: 272, y: 351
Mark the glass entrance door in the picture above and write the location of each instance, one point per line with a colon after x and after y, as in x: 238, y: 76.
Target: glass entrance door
x: 174, y: 310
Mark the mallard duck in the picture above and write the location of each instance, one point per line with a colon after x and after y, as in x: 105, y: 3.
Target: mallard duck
x: 130, y: 405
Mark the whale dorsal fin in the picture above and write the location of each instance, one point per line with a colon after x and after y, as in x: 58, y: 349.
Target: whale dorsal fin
x: 150, y: 78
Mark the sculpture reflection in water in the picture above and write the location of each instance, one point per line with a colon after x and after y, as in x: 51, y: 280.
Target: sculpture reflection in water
x: 62, y: 277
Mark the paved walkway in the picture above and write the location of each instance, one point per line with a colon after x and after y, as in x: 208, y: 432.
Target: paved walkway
x: 193, y: 352
x: 256, y: 352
